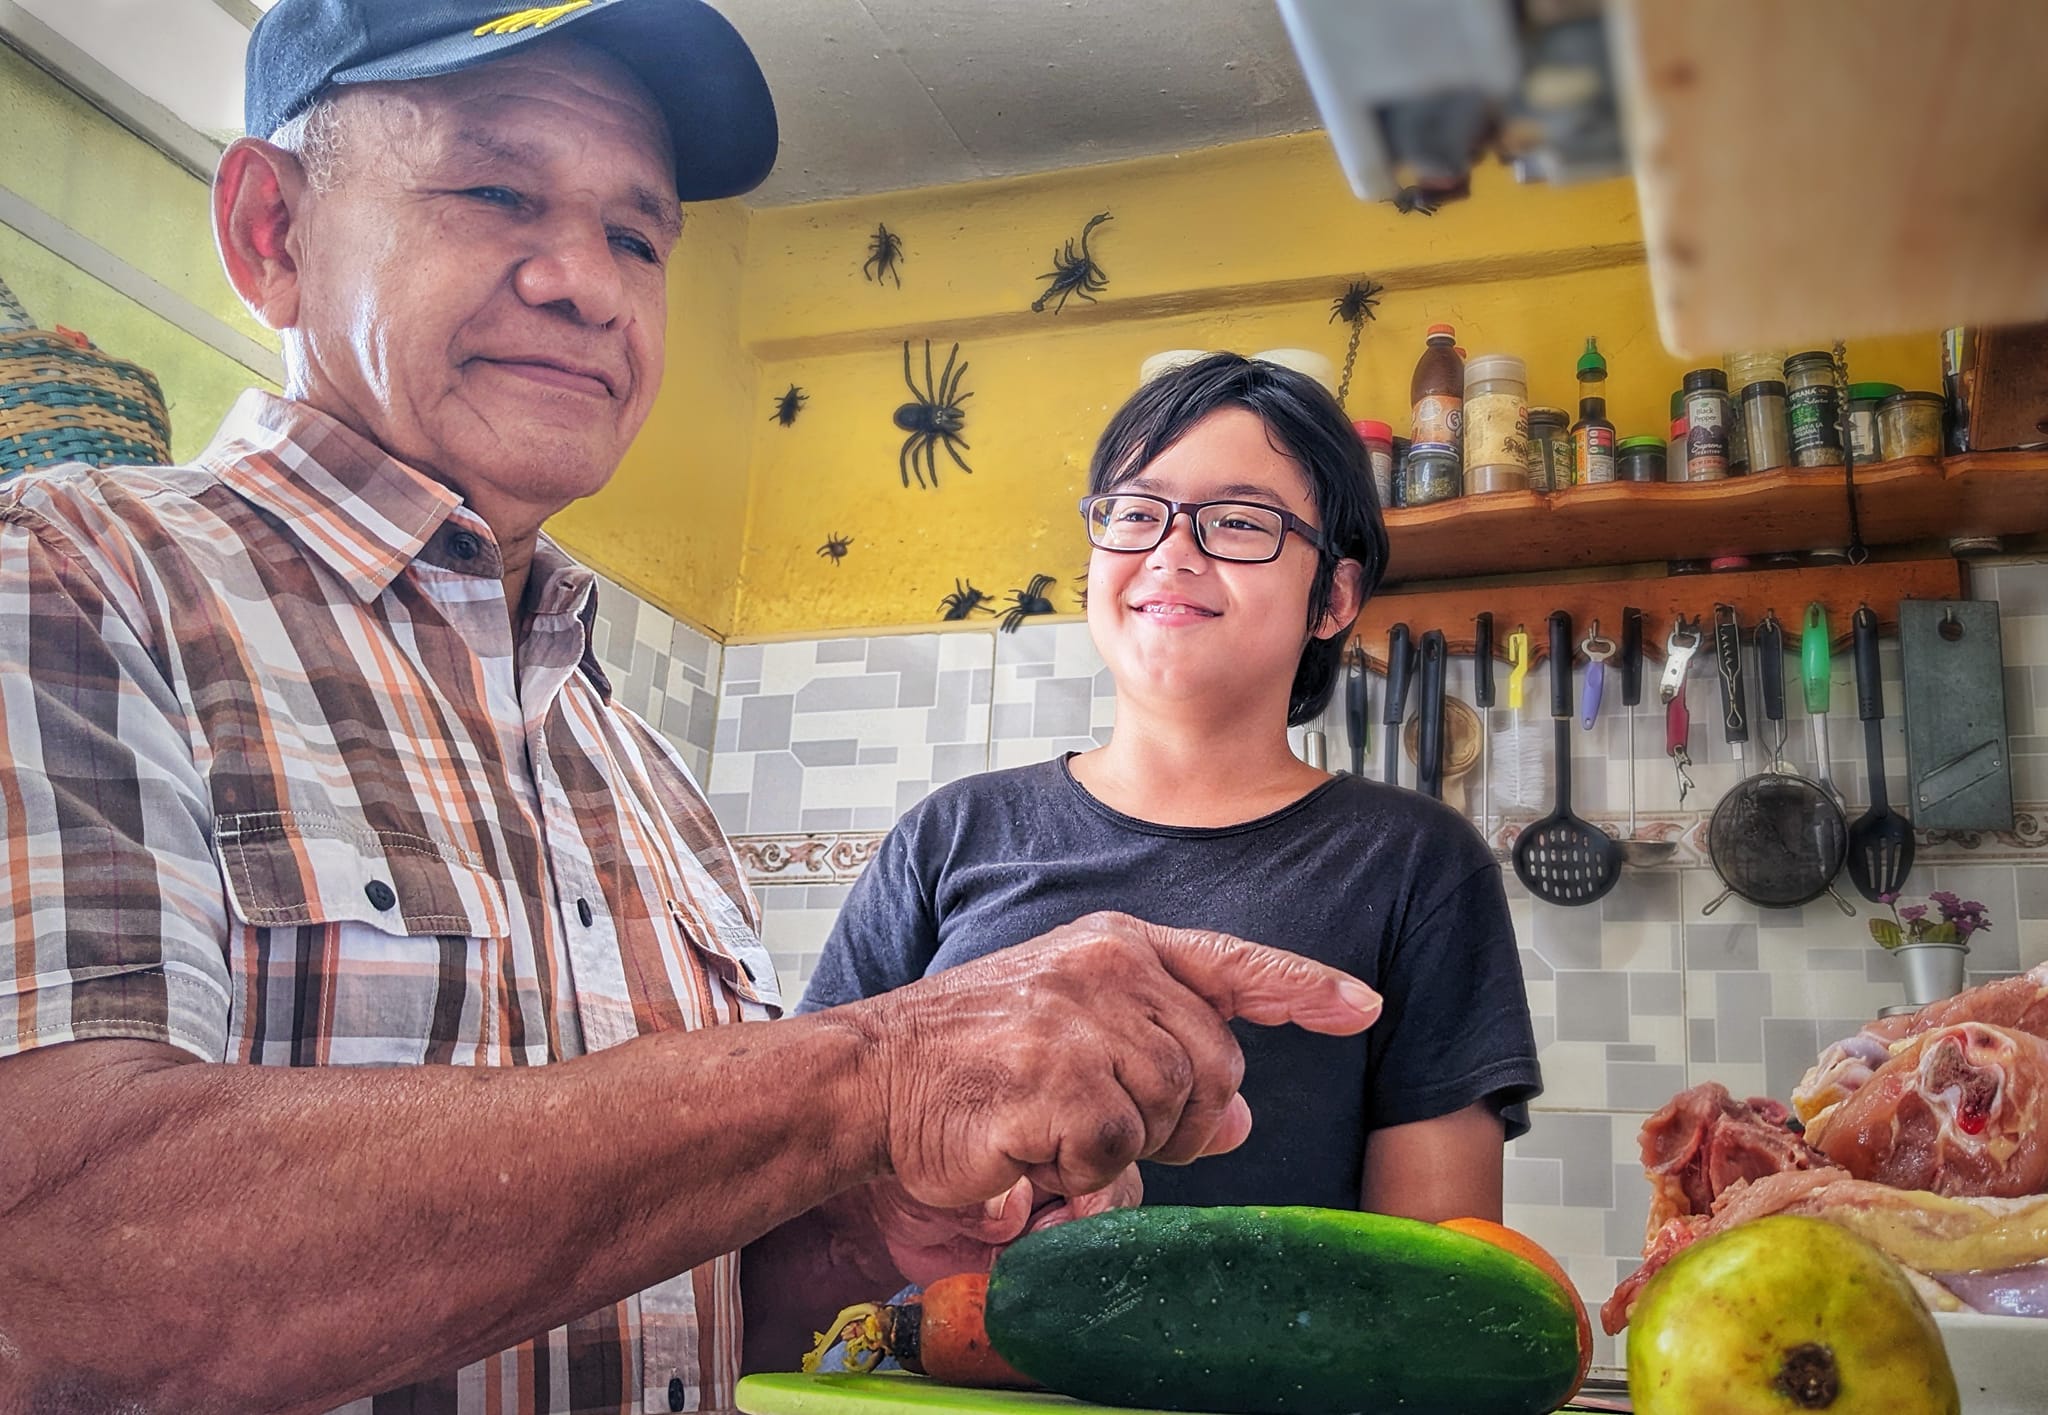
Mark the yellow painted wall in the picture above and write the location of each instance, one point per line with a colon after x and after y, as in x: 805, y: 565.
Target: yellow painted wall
x: 670, y: 526
x: 76, y: 164
x: 1241, y: 248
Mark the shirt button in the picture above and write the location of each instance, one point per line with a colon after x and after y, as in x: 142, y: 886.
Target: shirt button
x: 379, y: 894
x: 464, y: 545
x: 583, y: 911
x: 677, y: 1396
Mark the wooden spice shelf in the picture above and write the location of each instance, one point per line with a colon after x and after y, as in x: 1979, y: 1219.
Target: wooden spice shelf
x: 1622, y: 523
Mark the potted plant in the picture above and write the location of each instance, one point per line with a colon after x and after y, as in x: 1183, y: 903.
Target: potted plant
x: 1931, y: 937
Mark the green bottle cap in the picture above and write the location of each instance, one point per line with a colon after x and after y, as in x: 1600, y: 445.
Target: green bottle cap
x: 1638, y: 444
x: 1591, y: 364
x: 1871, y: 392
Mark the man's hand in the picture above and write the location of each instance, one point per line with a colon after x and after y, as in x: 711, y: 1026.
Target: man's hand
x: 927, y: 1243
x: 1063, y: 1060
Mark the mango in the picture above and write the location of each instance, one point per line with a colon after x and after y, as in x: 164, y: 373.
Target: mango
x: 1783, y: 1316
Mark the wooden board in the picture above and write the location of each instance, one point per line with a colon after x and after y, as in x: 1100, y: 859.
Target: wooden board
x: 875, y: 1394
x: 1836, y: 168
x: 1802, y: 509
x: 860, y: 1395
x: 1841, y: 588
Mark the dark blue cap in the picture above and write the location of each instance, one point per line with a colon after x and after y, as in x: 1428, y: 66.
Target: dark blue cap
x: 721, y: 118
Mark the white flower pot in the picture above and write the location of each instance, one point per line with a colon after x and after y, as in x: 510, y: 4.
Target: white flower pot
x: 1931, y: 971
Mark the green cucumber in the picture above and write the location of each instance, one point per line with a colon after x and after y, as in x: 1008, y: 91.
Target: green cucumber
x: 1258, y: 1310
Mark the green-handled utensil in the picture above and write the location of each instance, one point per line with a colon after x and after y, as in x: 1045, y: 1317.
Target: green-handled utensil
x: 1816, y: 665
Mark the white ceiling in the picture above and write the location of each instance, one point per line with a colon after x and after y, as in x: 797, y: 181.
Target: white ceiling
x: 874, y: 95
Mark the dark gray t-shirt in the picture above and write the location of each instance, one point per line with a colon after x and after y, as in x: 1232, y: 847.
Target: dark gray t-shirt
x: 1394, y: 888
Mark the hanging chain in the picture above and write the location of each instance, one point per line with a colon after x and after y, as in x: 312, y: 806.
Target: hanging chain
x: 1858, y: 551
x: 1350, y: 358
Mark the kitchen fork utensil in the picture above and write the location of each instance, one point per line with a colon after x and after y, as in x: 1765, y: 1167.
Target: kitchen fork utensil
x: 1641, y: 854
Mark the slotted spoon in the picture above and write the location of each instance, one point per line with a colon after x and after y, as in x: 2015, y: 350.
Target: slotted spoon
x: 1881, y: 840
x: 1562, y: 859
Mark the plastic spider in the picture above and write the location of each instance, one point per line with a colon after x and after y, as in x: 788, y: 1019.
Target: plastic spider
x: 1026, y: 602
x: 935, y: 418
x: 788, y: 406
x: 885, y: 250
x: 835, y: 546
x: 1074, y: 272
x: 964, y: 600
x: 1357, y: 303
x: 1413, y: 199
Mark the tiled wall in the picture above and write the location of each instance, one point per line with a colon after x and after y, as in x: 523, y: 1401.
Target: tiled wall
x: 660, y: 668
x: 819, y: 745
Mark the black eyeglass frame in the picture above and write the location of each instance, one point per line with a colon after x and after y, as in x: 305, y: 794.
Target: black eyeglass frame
x: 1288, y: 522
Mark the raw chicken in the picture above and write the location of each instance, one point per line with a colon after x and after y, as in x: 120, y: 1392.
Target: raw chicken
x: 1704, y: 1140
x: 1959, y: 1110
x: 1990, y: 1255
x: 2020, y: 1003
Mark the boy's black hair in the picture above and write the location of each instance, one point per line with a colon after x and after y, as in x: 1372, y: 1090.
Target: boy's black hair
x: 1303, y: 421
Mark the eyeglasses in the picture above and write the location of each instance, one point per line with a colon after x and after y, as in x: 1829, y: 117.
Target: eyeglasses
x: 1225, y: 530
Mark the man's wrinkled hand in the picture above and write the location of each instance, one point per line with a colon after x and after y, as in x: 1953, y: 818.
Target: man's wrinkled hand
x: 1063, y: 1060
x: 928, y: 1243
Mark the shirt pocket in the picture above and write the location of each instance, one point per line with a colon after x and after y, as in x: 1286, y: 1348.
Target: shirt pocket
x: 287, y: 868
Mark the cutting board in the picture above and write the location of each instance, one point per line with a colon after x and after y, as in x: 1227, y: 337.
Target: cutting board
x: 871, y: 1395
x: 860, y: 1395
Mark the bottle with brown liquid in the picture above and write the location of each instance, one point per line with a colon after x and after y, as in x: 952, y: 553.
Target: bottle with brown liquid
x: 1592, y: 434
x: 1437, y: 392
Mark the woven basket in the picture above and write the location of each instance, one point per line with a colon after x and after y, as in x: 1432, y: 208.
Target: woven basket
x: 62, y: 400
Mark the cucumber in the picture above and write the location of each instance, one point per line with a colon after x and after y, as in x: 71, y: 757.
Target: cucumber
x: 1259, y: 1310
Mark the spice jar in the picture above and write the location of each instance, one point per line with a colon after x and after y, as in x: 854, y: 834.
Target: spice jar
x: 1706, y: 425
x: 1863, y: 401
x: 1400, y: 472
x: 1747, y: 366
x: 1379, y: 454
x: 1674, y: 460
x: 1909, y: 425
x: 1763, y: 421
x: 1431, y: 474
x: 1496, y: 424
x: 1550, y: 449
x: 1810, y: 409
x: 1639, y: 459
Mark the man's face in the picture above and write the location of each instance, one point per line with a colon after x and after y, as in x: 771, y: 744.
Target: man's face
x: 482, y: 288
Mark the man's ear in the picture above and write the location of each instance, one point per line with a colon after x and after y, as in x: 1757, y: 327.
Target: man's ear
x: 258, y: 193
x: 1347, y: 597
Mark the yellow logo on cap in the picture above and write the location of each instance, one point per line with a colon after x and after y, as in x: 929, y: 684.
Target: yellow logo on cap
x: 531, y: 19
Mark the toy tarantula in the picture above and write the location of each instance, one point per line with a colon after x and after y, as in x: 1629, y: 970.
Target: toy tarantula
x: 1074, y: 272
x: 1357, y: 303
x: 788, y: 406
x: 885, y: 252
x: 935, y: 418
x: 1355, y: 306
x: 964, y: 600
x: 835, y: 546
x: 1026, y: 602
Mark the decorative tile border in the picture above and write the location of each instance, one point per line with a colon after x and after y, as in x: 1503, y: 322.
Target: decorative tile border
x: 806, y: 859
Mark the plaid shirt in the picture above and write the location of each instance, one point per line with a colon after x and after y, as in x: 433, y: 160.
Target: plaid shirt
x: 278, y: 788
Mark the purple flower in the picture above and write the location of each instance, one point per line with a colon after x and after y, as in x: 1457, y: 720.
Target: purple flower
x: 1946, y: 900
x: 1891, y: 898
x: 1913, y: 913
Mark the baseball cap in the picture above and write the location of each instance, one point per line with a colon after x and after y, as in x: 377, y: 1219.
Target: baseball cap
x: 721, y: 117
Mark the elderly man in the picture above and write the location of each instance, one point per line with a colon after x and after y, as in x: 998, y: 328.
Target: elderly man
x: 367, y: 979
